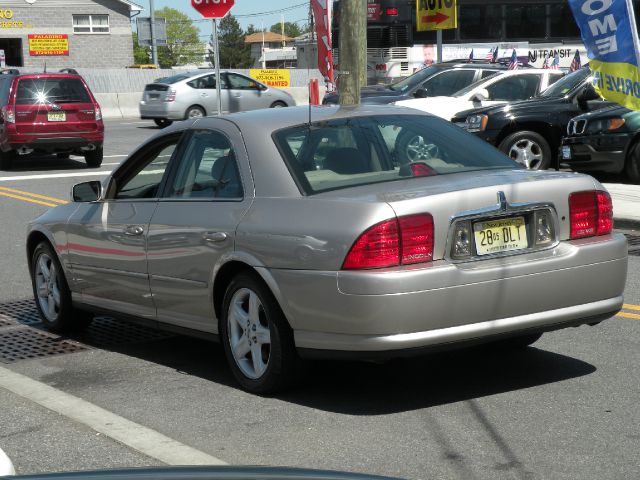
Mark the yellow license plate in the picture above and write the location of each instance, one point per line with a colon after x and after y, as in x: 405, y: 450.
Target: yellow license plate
x: 503, y: 235
x: 57, y: 116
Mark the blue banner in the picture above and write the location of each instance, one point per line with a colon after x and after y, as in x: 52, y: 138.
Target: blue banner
x: 609, y: 32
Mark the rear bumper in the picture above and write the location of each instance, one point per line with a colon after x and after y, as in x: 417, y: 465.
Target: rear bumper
x: 160, y: 110
x: 53, y: 142
x: 605, y: 153
x: 444, y: 304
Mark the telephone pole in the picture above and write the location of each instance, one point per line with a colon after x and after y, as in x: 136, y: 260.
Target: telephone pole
x: 353, y: 50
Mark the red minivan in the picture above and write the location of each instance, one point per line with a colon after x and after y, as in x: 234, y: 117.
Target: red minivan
x: 49, y: 113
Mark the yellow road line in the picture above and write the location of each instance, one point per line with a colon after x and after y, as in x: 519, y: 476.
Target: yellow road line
x: 34, y: 195
x: 628, y: 315
x: 628, y: 306
x: 4, y: 194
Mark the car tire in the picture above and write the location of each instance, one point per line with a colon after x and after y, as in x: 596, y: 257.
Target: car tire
x: 194, y: 111
x: 6, y: 159
x: 258, y: 343
x: 94, y: 158
x: 278, y: 104
x: 411, y: 147
x: 517, y: 343
x: 51, y: 292
x: 527, y: 148
x: 162, y: 122
x: 632, y: 164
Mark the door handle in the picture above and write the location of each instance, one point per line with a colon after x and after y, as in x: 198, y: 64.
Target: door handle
x: 215, y: 237
x: 133, y: 230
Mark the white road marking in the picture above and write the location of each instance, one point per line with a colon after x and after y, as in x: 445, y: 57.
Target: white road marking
x: 114, y: 156
x: 54, y: 175
x: 138, y: 437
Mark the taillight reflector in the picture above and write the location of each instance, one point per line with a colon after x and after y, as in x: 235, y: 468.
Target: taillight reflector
x: 392, y: 12
x: 405, y: 240
x: 591, y: 214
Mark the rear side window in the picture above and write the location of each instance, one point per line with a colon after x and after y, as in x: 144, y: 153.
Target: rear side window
x: 343, y: 153
x: 518, y: 87
x: 5, y: 85
x: 448, y: 82
x: 51, y: 90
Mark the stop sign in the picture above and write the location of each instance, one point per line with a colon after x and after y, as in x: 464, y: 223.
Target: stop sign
x: 212, y: 8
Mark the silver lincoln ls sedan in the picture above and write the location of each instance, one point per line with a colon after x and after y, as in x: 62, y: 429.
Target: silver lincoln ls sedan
x: 364, y: 232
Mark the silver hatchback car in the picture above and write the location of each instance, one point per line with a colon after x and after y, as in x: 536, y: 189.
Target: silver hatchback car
x: 193, y: 94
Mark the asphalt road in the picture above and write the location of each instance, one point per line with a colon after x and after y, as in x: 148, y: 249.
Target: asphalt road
x: 565, y: 408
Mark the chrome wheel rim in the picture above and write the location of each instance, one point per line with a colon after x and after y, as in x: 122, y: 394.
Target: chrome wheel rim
x: 249, y: 334
x: 418, y: 149
x: 195, y: 113
x: 48, y: 287
x: 528, y: 153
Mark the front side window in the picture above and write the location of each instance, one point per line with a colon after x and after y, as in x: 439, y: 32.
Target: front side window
x: 33, y: 91
x: 518, y: 87
x: 91, y: 24
x: 207, y: 169
x: 343, y: 153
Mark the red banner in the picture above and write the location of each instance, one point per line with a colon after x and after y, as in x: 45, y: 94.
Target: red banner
x: 322, y: 16
x: 374, y: 11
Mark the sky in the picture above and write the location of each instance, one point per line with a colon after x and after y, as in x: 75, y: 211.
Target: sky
x: 297, y: 15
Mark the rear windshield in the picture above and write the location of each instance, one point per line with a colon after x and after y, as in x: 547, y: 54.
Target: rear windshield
x: 343, y: 153
x: 51, y: 90
x: 173, y: 79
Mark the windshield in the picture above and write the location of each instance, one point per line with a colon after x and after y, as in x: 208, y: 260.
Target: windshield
x: 365, y: 150
x: 413, y: 80
x: 173, y: 79
x: 566, y: 84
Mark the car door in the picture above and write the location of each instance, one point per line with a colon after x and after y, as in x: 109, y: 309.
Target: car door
x: 206, y: 195
x: 207, y: 94
x: 107, y: 239
x: 245, y: 93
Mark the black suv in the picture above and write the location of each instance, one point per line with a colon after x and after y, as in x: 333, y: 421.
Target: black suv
x: 530, y: 131
x: 439, y: 79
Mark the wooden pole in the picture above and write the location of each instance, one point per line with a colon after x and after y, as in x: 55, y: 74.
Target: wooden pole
x: 353, y: 50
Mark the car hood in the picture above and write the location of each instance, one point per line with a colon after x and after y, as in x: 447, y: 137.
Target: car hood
x: 536, y: 103
x: 606, y: 112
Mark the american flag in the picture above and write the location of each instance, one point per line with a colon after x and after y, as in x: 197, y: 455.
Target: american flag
x: 471, y: 56
x: 555, y: 65
x: 545, y: 63
x: 494, y: 57
x: 489, y: 56
x: 576, y: 64
x: 513, y: 63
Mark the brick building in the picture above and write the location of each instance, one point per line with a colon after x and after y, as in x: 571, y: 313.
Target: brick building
x: 66, y: 33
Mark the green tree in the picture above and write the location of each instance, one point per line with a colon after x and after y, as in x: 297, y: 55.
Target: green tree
x: 141, y: 55
x: 251, y: 29
x: 290, y: 29
x: 234, y: 53
x: 183, y: 44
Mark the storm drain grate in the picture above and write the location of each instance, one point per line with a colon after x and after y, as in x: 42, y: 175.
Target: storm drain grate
x: 28, y: 343
x: 109, y: 332
x: 634, y: 244
x: 21, y: 311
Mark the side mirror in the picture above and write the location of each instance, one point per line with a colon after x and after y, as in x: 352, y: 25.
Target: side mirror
x: 480, y: 96
x: 586, y: 94
x: 420, y: 93
x: 87, y: 191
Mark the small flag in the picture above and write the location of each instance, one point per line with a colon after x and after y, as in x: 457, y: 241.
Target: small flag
x: 494, y: 57
x: 513, y: 63
x: 489, y: 56
x: 576, y: 64
x: 471, y: 56
x: 545, y: 63
x: 555, y: 65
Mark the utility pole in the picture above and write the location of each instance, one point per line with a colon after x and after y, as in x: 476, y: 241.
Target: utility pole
x: 353, y: 50
x: 154, y: 47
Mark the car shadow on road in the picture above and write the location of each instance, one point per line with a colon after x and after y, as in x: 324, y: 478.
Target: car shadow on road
x: 45, y: 163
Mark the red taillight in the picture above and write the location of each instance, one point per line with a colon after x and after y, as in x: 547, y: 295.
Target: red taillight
x: 421, y: 170
x: 392, y: 12
x: 171, y: 96
x: 591, y: 214
x: 405, y: 240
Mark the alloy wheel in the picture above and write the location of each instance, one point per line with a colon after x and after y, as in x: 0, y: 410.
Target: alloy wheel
x: 528, y: 153
x: 418, y: 149
x: 48, y: 287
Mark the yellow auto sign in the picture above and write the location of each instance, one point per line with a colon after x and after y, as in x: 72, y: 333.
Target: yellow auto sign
x: 280, y: 78
x: 436, y: 14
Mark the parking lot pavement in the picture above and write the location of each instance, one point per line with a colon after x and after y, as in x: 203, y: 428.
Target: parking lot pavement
x: 626, y: 204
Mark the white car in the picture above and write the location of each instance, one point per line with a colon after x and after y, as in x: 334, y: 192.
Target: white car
x: 505, y: 86
x: 6, y: 467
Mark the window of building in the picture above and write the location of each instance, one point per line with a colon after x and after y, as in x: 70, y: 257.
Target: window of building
x: 526, y: 21
x: 91, y: 24
x: 480, y: 22
x: 562, y: 22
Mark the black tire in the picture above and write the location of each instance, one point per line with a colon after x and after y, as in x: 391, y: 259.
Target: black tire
x: 162, y: 122
x: 517, y: 343
x: 528, y: 148
x: 278, y: 104
x: 94, y: 158
x: 194, y: 111
x: 63, y: 156
x: 6, y: 159
x: 62, y: 317
x: 410, y: 147
x: 282, y: 362
x: 632, y: 164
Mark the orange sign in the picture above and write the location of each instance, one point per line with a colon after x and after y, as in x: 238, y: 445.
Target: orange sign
x: 49, y: 44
